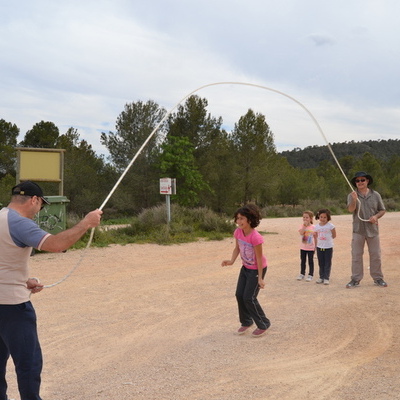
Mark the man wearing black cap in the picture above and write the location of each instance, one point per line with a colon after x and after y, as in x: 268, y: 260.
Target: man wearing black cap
x: 18, y: 235
x: 367, y: 207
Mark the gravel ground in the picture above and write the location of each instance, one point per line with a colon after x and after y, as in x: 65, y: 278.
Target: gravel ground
x: 151, y: 322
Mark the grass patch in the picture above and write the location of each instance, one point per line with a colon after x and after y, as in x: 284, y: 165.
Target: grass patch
x: 150, y: 226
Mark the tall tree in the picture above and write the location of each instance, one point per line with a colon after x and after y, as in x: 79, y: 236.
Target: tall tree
x: 133, y: 127
x: 8, y: 140
x: 42, y: 135
x: 194, y: 122
x: 196, y: 130
x: 217, y: 167
x: 254, y: 150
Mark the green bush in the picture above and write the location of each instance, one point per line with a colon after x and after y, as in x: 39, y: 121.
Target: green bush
x: 392, y: 204
x: 190, y: 224
x: 150, y: 226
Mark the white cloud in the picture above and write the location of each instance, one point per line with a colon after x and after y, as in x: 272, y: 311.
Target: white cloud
x: 78, y: 63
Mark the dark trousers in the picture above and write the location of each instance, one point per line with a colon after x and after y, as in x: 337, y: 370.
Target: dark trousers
x: 18, y: 338
x: 304, y: 254
x: 246, y: 295
x: 325, y: 262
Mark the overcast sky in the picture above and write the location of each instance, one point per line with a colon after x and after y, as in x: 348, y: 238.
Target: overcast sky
x: 77, y: 63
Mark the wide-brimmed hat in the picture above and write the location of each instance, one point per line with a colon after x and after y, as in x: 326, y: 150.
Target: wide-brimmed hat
x: 364, y: 175
x: 28, y: 188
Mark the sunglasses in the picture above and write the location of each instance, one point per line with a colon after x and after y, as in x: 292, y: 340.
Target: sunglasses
x: 360, y: 180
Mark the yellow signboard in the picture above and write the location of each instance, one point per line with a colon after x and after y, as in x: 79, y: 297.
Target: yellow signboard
x: 40, y: 165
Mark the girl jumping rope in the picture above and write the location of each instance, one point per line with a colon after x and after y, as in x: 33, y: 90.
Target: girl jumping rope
x: 251, y: 278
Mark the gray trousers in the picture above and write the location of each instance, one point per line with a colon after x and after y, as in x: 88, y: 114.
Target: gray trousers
x: 357, y: 251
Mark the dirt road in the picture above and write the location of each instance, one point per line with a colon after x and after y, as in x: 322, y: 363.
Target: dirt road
x: 151, y: 322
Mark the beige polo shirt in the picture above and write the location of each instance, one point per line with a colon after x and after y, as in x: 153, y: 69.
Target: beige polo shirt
x: 17, y: 237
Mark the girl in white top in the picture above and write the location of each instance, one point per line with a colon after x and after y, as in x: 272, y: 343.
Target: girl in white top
x: 325, y: 232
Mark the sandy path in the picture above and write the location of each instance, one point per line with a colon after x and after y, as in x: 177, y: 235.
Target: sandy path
x: 153, y: 322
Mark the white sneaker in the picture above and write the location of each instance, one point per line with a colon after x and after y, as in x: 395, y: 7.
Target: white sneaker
x: 326, y: 281
x: 319, y: 280
x: 300, y: 277
x: 309, y: 278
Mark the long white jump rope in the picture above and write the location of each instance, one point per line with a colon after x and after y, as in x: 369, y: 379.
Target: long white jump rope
x: 158, y: 126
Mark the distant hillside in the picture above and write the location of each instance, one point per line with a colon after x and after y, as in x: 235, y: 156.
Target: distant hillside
x: 311, y: 156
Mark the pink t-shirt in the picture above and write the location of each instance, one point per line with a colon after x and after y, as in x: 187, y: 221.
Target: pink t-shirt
x: 246, y: 247
x: 307, y: 238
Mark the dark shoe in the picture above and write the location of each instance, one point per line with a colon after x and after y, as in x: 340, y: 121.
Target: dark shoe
x: 352, y: 284
x: 380, y: 282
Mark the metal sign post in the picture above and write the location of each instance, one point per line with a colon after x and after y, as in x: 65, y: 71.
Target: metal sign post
x: 168, y: 187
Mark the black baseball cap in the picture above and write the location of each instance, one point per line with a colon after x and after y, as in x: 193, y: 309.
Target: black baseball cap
x: 28, y: 188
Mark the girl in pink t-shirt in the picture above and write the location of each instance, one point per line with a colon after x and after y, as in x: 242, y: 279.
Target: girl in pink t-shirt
x: 307, y: 246
x: 254, y: 267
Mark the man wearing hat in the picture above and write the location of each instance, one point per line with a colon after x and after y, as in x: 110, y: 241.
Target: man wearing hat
x: 18, y: 235
x: 367, y: 207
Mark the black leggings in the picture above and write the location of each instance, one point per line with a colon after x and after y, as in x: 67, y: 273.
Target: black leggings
x: 303, y: 257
